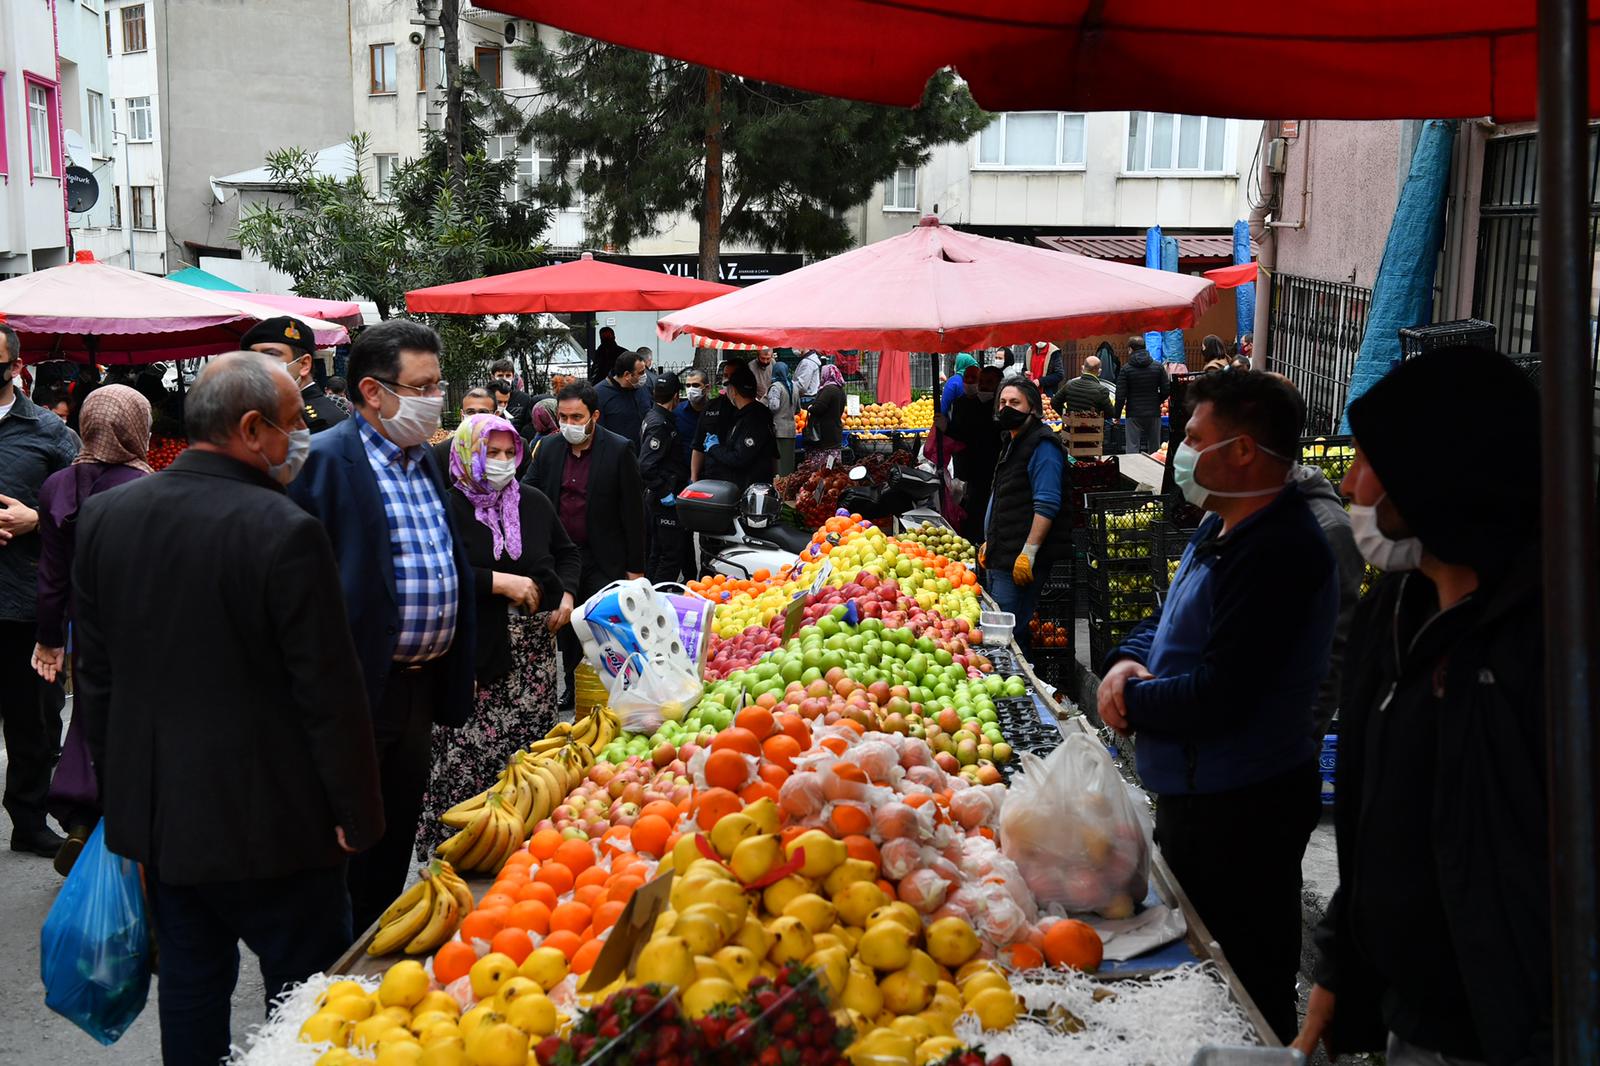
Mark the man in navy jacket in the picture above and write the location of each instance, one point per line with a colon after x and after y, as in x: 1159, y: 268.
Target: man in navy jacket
x: 1220, y: 684
x: 408, y: 591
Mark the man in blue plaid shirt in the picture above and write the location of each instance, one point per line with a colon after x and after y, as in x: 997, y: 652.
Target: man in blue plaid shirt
x: 376, y: 485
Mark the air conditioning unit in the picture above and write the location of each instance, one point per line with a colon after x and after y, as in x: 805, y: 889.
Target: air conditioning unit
x: 511, y: 33
x: 1277, y: 155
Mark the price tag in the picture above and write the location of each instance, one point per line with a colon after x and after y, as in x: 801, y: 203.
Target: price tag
x: 794, y: 614
x: 852, y: 404
x: 630, y: 933
x: 824, y: 572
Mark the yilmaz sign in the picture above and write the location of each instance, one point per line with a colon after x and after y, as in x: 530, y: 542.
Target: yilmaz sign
x: 732, y: 268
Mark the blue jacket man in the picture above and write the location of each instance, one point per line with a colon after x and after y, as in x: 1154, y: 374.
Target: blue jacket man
x: 1220, y: 685
x: 407, y: 585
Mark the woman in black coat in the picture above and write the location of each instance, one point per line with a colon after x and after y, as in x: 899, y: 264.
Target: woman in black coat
x: 526, y: 571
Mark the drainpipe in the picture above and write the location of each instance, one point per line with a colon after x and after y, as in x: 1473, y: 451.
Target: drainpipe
x: 61, y: 128
x: 1267, y: 250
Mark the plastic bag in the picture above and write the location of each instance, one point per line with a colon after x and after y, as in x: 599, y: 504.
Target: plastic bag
x: 94, y: 949
x: 631, y: 637
x: 1074, y: 832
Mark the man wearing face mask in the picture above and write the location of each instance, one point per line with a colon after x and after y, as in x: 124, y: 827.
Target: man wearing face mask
x: 478, y: 401
x: 373, y: 482
x: 972, y: 423
x: 1436, y: 945
x: 714, y: 420
x: 695, y: 396
x: 244, y: 781
x: 511, y: 403
x: 747, y: 450
x: 592, y: 477
x: 1021, y: 535
x: 292, y: 341
x: 1220, y: 684
x: 623, y: 402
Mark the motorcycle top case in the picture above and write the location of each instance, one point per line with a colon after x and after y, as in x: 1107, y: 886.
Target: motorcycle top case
x: 708, y: 506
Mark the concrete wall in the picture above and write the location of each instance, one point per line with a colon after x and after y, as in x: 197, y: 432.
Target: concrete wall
x: 84, y: 70
x: 1350, y: 173
x: 138, y: 163
x: 240, y: 79
x: 33, y: 231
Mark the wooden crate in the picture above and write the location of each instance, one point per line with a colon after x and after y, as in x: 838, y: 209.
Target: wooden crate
x: 1083, y: 434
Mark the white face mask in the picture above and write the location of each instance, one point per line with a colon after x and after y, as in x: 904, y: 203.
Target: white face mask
x: 299, y: 448
x: 1377, y: 547
x: 415, y: 422
x: 499, y: 472
x: 695, y: 393
x: 985, y: 396
x: 575, y: 434
x: 1186, y: 458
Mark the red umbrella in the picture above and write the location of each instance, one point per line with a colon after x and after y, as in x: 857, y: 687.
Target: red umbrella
x: 584, y: 284
x: 1335, y: 59
x: 937, y: 289
x: 1231, y: 277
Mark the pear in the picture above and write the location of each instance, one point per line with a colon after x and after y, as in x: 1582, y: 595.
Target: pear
x: 996, y: 1008
x: 936, y: 1019
x: 897, y: 911
x: 684, y: 853
x: 905, y: 991
x: 740, y: 964
x: 514, y: 987
x: 494, y: 1045
x: 858, y: 900
x: 705, y: 966
x: 937, y: 1049
x: 886, y: 1045
x: 405, y: 983
x: 327, y: 1026
x: 703, y: 934
x: 666, y: 961
x: 339, y: 989
x: 849, y: 934
x: 697, y: 888
x: 946, y: 1007
x: 951, y: 941
x: 439, y: 1000
x: 791, y: 941
x: 547, y: 966
x: 753, y: 937
x: 764, y: 813
x: 847, y: 872
x: 707, y: 993
x: 885, y: 946
x: 912, y: 1026
x: 706, y: 867
x: 444, y: 1051
x: 980, y: 983
x: 833, y: 964
x: 421, y: 1023
x: 777, y: 895
x: 861, y: 993
x: 534, y: 1014
x: 923, y: 966
x: 823, y: 853
x: 726, y: 920
x: 754, y: 856
x: 817, y: 913
x: 828, y: 939
x: 731, y: 829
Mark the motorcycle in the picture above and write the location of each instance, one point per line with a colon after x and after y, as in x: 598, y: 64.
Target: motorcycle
x: 738, y: 533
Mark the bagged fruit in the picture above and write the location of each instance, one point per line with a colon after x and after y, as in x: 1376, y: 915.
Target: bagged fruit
x: 1071, y: 826
x: 631, y: 638
x: 924, y: 889
x: 900, y: 857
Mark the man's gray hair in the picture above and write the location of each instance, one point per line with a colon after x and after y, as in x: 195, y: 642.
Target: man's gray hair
x: 229, y: 388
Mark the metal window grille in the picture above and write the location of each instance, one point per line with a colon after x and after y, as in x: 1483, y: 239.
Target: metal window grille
x: 1316, y: 331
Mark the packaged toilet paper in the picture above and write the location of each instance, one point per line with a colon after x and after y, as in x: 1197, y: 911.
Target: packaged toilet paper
x: 631, y: 636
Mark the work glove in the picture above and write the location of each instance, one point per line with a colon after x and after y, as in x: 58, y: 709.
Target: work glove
x: 669, y: 500
x: 1022, y: 569
x: 711, y: 441
x: 983, y: 552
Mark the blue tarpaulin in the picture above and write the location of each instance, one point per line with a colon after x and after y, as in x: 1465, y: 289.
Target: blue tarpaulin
x: 1244, y: 297
x: 1403, y: 295
x: 1172, y: 340
x: 1152, y: 259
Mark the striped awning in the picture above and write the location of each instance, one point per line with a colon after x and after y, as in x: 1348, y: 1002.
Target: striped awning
x: 1131, y: 246
x: 721, y: 346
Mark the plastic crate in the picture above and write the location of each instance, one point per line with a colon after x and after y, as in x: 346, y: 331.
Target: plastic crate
x: 1332, y: 455
x: 1125, y: 525
x: 1053, y: 666
x: 1414, y: 340
x: 1123, y: 575
x: 1057, y: 584
x: 1122, y: 605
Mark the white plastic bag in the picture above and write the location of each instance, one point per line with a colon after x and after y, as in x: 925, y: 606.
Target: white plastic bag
x: 630, y: 635
x: 1071, y: 826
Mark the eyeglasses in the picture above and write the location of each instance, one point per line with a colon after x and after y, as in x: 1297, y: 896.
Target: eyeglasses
x: 437, y: 389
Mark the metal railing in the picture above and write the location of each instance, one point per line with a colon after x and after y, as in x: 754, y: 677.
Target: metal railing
x: 1315, y: 335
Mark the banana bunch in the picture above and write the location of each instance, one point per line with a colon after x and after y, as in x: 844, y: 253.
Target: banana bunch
x: 426, y: 915
x: 594, y: 730
x: 490, y: 836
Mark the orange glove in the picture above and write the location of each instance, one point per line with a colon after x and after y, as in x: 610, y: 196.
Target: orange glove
x: 983, y: 551
x: 1022, y: 569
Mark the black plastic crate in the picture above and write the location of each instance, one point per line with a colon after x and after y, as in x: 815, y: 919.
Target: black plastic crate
x: 1053, y: 666
x: 1414, y: 340
x: 1121, y: 574
x: 1177, y: 542
x: 1121, y: 605
x: 1125, y: 525
x: 1331, y: 454
x: 1057, y: 584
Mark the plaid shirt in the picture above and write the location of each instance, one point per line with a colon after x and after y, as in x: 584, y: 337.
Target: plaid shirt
x: 419, y: 537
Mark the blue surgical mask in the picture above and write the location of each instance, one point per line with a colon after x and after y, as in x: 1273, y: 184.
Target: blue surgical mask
x: 1186, y: 458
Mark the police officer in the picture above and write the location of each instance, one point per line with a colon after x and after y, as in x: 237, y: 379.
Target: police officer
x: 747, y: 450
x: 713, y: 421
x: 292, y: 341
x: 665, y: 472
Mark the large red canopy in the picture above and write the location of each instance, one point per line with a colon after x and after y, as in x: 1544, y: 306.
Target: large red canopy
x: 936, y: 289
x: 584, y: 284
x: 1238, y: 58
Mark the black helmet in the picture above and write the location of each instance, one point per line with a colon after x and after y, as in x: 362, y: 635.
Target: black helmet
x: 760, y: 507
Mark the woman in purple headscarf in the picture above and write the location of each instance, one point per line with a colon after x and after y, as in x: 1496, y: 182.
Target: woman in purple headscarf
x: 525, y: 569
x: 825, y: 417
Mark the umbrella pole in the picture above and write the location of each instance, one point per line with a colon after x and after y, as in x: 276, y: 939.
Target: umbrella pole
x: 1571, y: 590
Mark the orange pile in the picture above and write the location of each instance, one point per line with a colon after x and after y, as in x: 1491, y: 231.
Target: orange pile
x: 956, y: 573
x: 720, y: 588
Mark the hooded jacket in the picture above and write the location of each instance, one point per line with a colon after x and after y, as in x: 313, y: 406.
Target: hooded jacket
x: 1141, y: 386
x: 1440, y: 927
x: 1328, y: 509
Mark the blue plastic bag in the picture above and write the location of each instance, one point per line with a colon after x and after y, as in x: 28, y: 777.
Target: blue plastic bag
x: 94, y: 949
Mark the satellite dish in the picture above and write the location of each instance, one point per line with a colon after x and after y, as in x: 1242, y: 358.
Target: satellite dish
x: 83, y: 192
x: 77, y: 148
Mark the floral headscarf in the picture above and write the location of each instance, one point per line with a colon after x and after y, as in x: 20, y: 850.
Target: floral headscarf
x: 832, y: 376
x: 495, y: 508
x: 115, y: 426
x: 544, y: 417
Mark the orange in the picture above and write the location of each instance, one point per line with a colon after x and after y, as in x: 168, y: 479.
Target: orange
x: 861, y: 847
x: 714, y: 804
x: 531, y: 915
x: 888, y: 888
x: 848, y: 819
x: 756, y: 719
x: 836, y: 745
x: 851, y: 723
x: 622, y: 886
x: 782, y: 749
x: 594, y: 875
x: 517, y: 873
x: 453, y: 961
x: 916, y: 799
x: 795, y: 726
x: 538, y: 890
x: 589, y: 895
x: 650, y: 834
x: 727, y: 769
x: 772, y: 774
x: 1073, y: 944
x: 627, y: 860
x: 481, y: 926
x: 846, y: 771
x: 563, y: 941
x: 665, y: 808
x: 544, y: 843
x: 736, y: 739
x: 606, y: 915
x: 513, y: 942
x: 759, y: 790
x: 557, y: 876
x: 497, y: 899
x: 519, y: 858
x: 611, y: 840
x: 584, y: 958
x: 570, y: 917
x: 1022, y: 957
x: 575, y: 855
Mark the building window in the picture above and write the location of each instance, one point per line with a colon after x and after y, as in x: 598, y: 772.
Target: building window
x: 1159, y: 142
x: 116, y: 206
x: 144, y: 207
x: 381, y: 57
x: 533, y: 169
x: 133, y: 35
x: 487, y: 62
x: 109, y: 52
x: 44, y: 132
x: 900, y: 190
x: 1033, y: 140
x: 386, y: 165
x: 97, y: 123
x: 139, y: 124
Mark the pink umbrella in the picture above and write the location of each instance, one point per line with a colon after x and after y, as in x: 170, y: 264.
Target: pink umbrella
x: 343, y: 312
x: 86, y: 310
x: 936, y: 289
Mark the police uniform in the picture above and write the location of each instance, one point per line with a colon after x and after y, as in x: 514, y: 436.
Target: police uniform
x: 664, y: 473
x: 320, y: 410
x: 747, y: 451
